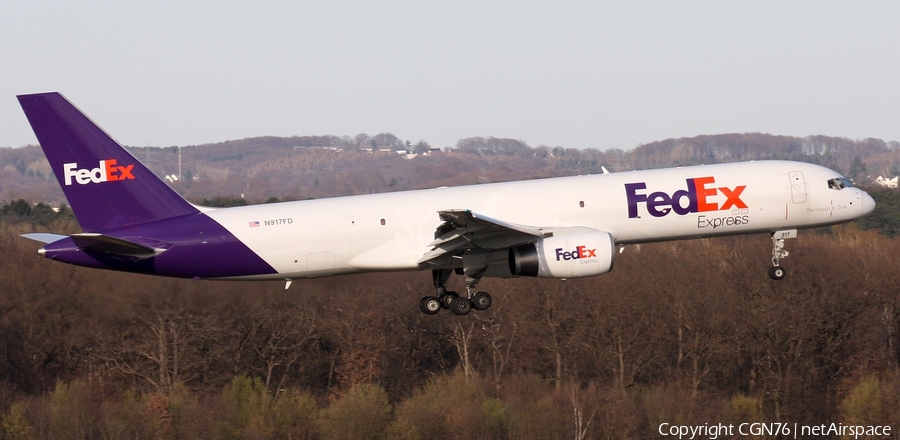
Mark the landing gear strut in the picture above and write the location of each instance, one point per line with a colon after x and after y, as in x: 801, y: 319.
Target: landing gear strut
x: 776, y: 272
x: 451, y: 300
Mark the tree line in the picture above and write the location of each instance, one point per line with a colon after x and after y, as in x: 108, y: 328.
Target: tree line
x: 303, y: 167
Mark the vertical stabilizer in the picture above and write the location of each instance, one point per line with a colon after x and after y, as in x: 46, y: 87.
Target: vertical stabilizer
x: 105, y: 185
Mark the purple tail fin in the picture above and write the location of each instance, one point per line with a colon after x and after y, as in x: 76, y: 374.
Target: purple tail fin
x: 104, y: 184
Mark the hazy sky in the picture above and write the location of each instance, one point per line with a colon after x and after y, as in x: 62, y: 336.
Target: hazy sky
x: 574, y: 74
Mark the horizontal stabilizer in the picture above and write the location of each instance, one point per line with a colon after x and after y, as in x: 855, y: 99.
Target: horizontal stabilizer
x: 101, y: 243
x: 44, y: 237
x: 113, y: 245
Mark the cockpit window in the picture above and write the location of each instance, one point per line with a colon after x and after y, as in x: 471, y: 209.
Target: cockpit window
x: 839, y: 183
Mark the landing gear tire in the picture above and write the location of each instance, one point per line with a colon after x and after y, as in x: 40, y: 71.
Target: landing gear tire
x: 460, y: 306
x: 777, y: 273
x: 481, y: 301
x: 448, y: 297
x: 430, y: 305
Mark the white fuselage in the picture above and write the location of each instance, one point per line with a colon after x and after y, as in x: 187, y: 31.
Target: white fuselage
x: 392, y: 231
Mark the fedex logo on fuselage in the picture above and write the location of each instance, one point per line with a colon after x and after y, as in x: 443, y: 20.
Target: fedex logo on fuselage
x: 700, y: 196
x: 108, y: 171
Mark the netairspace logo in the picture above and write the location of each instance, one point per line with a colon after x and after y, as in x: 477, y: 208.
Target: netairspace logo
x: 108, y: 171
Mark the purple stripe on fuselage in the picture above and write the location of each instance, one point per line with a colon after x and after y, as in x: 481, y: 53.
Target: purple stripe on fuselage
x: 196, y: 247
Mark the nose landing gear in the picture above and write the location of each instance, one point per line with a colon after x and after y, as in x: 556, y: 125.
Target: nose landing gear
x: 776, y: 272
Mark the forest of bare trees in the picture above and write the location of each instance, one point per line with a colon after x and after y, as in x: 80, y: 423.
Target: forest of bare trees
x: 689, y: 332
x: 684, y: 333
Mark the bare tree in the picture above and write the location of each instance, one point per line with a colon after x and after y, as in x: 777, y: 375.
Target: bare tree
x: 165, y: 341
x: 499, y: 330
x: 461, y: 338
x: 280, y: 335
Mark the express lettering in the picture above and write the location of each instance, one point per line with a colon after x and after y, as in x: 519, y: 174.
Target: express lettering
x: 579, y: 253
x: 736, y: 220
x: 108, y: 171
x: 700, y: 196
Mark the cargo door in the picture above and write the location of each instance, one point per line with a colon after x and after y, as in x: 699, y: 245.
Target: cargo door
x: 798, y: 187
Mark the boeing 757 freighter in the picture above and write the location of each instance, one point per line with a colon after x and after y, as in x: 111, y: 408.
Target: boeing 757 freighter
x: 567, y: 227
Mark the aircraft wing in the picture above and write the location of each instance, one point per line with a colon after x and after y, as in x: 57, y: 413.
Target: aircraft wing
x: 464, y: 230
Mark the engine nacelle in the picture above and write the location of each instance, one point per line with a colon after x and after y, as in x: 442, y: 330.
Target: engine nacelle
x: 569, y: 253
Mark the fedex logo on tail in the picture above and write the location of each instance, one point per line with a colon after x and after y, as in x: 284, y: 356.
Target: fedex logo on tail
x: 108, y: 171
x: 701, y: 195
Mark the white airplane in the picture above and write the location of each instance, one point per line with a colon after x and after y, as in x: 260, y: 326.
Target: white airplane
x: 567, y: 227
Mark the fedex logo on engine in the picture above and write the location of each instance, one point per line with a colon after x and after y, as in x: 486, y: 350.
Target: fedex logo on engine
x: 580, y: 252
x: 108, y: 171
x: 701, y: 195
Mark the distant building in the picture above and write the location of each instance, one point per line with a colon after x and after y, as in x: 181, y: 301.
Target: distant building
x: 317, y: 147
x: 888, y: 183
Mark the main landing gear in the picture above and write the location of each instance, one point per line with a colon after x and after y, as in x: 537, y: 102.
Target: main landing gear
x: 446, y: 299
x: 776, y: 272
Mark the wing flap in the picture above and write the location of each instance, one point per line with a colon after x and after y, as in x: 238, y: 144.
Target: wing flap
x: 464, y: 230
x: 473, y: 221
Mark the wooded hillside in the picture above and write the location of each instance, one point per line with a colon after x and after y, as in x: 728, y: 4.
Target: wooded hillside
x: 304, y: 167
x: 691, y: 332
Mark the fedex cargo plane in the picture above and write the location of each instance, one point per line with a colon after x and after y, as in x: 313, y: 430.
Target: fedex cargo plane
x: 563, y: 228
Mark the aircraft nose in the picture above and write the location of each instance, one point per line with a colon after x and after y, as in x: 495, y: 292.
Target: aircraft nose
x: 868, y: 203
